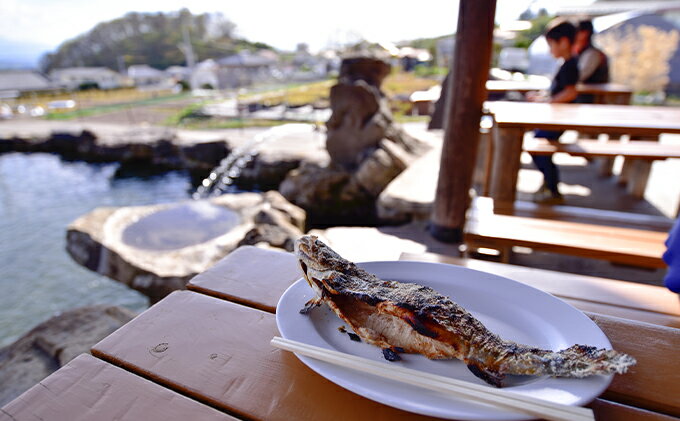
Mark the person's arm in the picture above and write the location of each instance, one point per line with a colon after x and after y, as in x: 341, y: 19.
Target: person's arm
x: 569, y: 77
x: 568, y: 94
x: 588, y: 62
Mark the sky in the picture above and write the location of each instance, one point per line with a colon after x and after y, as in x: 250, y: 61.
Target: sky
x: 30, y: 27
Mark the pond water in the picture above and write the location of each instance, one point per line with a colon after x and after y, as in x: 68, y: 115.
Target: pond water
x: 40, y: 194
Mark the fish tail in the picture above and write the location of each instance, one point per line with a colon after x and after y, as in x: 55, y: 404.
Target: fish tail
x: 582, y: 361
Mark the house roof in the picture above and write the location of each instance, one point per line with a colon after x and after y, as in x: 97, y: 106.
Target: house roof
x: 599, y: 8
x: 23, y: 80
x: 143, y: 70
x: 246, y: 59
x: 82, y: 72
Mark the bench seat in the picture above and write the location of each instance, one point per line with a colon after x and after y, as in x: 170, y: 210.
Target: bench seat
x: 628, y: 246
x: 641, y: 153
x: 638, y: 149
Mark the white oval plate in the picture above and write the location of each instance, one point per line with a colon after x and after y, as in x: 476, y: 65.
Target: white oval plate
x: 513, y: 310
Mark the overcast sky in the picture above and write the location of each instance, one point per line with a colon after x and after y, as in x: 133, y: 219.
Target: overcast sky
x: 46, y: 23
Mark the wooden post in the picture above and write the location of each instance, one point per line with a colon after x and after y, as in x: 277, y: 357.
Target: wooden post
x: 466, y: 96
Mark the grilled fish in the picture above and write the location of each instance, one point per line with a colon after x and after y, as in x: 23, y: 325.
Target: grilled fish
x: 411, y: 318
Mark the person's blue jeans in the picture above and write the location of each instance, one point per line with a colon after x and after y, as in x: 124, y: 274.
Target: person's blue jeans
x: 545, y: 164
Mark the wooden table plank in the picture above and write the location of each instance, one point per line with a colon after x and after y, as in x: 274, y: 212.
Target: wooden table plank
x: 218, y: 352
x: 654, y: 382
x: 231, y: 280
x: 600, y: 89
x: 606, y: 410
x: 90, y: 389
x: 250, y: 276
x: 615, y: 293
x: 599, y: 118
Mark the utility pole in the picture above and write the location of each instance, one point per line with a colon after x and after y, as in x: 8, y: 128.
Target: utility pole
x: 188, y: 51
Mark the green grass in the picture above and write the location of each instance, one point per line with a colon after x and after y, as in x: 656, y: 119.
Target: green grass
x: 102, y: 109
x: 207, y: 124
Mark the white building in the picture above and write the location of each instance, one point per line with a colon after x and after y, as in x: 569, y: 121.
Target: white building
x: 14, y: 82
x: 74, y: 77
x: 246, y: 68
x: 204, y: 75
x: 144, y: 75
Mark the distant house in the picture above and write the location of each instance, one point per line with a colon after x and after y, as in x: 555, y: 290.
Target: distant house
x: 178, y: 73
x: 246, y: 68
x: 144, y: 75
x: 75, y: 77
x: 204, y: 75
x: 15, y: 82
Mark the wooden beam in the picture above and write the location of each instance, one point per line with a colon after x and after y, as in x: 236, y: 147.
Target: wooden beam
x: 467, y: 92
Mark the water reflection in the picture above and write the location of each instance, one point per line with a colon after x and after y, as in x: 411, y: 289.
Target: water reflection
x: 39, y: 196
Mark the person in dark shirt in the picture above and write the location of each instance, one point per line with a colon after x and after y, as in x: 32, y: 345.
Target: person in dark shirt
x: 560, y: 36
x: 593, y: 65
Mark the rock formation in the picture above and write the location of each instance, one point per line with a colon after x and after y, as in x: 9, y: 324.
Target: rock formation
x: 52, y: 344
x: 157, y: 249
x: 156, y: 147
x: 361, y: 115
x: 367, y: 150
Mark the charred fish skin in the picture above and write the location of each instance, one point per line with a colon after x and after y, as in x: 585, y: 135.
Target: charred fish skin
x: 417, y: 319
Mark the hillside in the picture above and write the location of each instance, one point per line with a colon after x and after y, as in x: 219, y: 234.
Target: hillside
x: 149, y: 38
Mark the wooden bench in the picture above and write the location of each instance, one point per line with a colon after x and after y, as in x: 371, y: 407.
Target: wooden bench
x: 643, y: 153
x: 481, y: 205
x: 627, y: 246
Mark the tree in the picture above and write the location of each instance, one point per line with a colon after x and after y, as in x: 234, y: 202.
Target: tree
x: 538, y: 25
x: 149, y: 38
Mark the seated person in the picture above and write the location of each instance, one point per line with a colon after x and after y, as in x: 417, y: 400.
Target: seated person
x: 593, y: 66
x: 560, y: 35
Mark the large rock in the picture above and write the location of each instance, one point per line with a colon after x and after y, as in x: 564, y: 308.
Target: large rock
x: 273, y: 158
x: 156, y: 249
x: 361, y: 116
x: 159, y: 147
x: 410, y: 195
x: 54, y: 343
x: 334, y: 195
x: 366, y: 149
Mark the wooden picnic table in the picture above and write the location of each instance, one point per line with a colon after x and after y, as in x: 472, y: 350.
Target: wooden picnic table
x: 603, y: 93
x: 211, y: 344
x: 513, y: 119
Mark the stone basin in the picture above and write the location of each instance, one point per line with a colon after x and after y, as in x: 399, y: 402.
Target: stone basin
x: 156, y: 249
x: 180, y: 226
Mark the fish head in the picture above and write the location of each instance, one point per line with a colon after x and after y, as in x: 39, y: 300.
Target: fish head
x: 317, y: 260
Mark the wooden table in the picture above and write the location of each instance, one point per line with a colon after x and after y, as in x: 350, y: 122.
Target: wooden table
x: 603, y: 93
x: 211, y: 344
x: 513, y: 119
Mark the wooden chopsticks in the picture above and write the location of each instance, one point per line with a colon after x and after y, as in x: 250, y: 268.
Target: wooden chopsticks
x: 499, y: 398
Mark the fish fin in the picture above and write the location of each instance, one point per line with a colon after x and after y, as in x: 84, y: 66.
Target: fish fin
x: 309, y: 305
x: 494, y: 378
